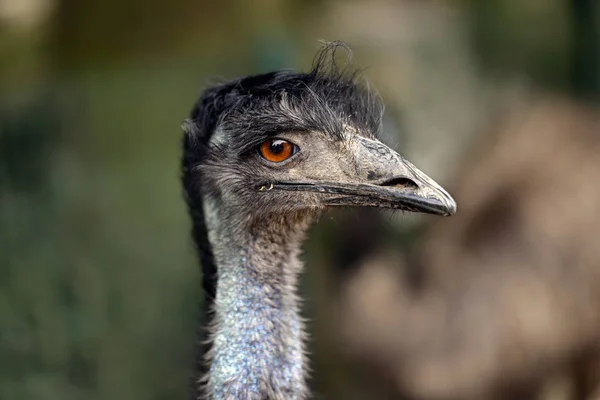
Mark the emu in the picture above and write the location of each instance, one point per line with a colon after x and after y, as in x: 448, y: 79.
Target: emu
x: 263, y: 157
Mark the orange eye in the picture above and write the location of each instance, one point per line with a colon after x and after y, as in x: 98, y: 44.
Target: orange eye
x: 277, y: 150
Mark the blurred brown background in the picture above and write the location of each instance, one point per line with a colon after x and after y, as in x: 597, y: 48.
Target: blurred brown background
x: 496, y: 99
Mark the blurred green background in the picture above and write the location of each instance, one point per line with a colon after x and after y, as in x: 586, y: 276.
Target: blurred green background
x: 99, y: 284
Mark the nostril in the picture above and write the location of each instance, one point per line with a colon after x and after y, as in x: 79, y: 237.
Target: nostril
x: 401, y: 182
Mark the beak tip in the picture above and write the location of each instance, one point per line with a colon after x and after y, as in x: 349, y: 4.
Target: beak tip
x: 451, y: 210
x: 448, y: 202
x: 450, y: 206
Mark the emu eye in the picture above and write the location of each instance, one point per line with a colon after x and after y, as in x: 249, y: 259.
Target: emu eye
x: 277, y: 150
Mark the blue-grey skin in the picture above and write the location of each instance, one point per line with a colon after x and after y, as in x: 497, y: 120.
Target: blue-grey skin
x: 258, y: 334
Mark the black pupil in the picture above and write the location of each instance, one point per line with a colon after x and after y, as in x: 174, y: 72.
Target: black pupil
x: 277, y: 146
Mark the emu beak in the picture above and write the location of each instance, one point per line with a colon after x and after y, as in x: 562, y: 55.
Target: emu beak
x: 411, y: 190
x: 383, y: 179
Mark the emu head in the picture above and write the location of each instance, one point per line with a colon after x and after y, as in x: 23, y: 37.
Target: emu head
x: 287, y: 143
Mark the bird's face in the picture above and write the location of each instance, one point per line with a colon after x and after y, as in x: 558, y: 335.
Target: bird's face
x: 303, y: 171
x: 285, y: 143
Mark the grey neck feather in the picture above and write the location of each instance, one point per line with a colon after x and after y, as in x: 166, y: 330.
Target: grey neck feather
x: 257, y: 332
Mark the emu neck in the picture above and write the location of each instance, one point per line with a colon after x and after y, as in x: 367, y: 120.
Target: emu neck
x: 257, y: 348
